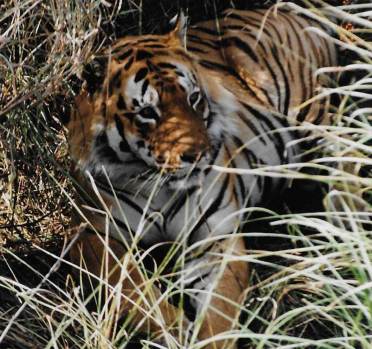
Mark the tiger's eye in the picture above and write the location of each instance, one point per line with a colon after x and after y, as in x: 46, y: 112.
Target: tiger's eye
x: 193, y: 98
x: 148, y: 113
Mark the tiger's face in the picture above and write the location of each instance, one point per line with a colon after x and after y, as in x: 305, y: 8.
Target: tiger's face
x: 150, y: 111
x: 158, y: 111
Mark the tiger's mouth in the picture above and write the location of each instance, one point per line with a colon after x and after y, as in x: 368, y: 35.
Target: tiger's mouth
x: 189, y: 173
x: 185, y: 179
x: 183, y: 176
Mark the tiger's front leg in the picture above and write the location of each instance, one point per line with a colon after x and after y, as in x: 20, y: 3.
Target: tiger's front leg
x: 217, y: 289
x: 140, y: 300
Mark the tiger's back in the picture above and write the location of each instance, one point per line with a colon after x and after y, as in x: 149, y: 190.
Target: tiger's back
x: 267, y: 58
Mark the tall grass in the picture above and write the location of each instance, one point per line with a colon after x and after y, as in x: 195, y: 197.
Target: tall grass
x: 311, y: 279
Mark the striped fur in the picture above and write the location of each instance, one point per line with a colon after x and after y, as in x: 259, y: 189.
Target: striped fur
x: 160, y: 113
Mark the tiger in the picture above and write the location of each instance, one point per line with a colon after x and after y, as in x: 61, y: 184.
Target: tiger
x: 157, y: 130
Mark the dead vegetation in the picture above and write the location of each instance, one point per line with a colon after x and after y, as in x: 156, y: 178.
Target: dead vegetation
x: 311, y: 283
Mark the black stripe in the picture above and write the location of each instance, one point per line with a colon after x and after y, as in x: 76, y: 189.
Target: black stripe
x: 124, y: 146
x: 125, y: 55
x: 209, y: 117
x: 121, y: 103
x: 134, y: 161
x: 308, y: 59
x: 115, y: 81
x: 104, y: 151
x: 213, y: 208
x: 178, y: 204
x: 274, y: 78
x: 141, y: 74
x: 321, y: 54
x: 252, y: 160
x: 182, y: 53
x: 141, y: 55
x: 166, y: 65
x: 191, y: 285
x: 208, y: 31
x: 104, y: 109
x: 212, y: 65
x: 301, y: 65
x: 328, y: 50
x: 198, y: 40
x: 123, y: 196
x: 273, y: 27
x: 241, y: 45
x: 129, y: 63
x: 143, y: 128
x: 275, y: 137
x: 214, y: 157
x: 163, y: 52
x: 287, y: 92
x: 318, y: 55
x: 121, y: 224
x: 248, y: 154
x: 196, y: 49
x: 120, y: 48
x: 144, y: 87
x: 119, y: 125
x: 154, y: 46
x: 321, y: 113
x: 236, y: 16
x: 140, y: 41
x: 267, y: 192
x: 303, y: 113
x: 249, y: 21
x: 241, y: 27
x: 238, y: 176
x: 247, y: 33
x: 251, y: 126
x: 267, y: 95
x: 130, y: 116
x: 261, y: 180
x: 188, y: 308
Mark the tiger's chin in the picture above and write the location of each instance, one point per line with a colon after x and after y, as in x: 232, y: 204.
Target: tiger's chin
x: 186, y: 181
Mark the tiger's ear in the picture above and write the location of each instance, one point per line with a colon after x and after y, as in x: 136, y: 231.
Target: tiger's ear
x: 179, y: 24
x: 94, y: 73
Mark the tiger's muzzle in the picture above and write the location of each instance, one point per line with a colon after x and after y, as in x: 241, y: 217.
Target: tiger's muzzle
x: 180, y: 141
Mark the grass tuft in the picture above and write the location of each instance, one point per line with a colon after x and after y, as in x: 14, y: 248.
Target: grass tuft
x: 311, y: 262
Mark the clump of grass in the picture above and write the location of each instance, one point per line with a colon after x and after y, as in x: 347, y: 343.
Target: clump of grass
x: 310, y: 288
x: 41, y: 47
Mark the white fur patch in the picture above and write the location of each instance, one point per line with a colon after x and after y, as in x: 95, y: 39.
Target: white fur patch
x: 114, y: 140
x: 133, y: 90
x: 151, y: 96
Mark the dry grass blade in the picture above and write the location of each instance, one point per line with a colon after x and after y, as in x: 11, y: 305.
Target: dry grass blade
x: 312, y: 261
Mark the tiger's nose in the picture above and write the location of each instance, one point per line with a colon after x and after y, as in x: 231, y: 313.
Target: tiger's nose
x: 191, y: 157
x: 171, y: 162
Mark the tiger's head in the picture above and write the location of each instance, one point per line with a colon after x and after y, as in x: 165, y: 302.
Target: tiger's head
x: 144, y: 106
